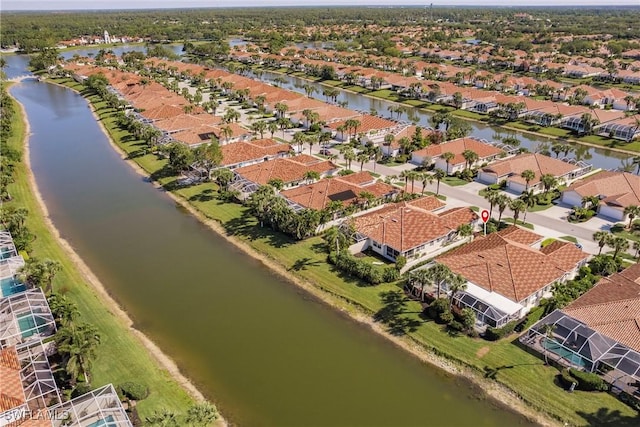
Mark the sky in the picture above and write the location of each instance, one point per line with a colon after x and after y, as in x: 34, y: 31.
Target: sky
x: 155, y: 4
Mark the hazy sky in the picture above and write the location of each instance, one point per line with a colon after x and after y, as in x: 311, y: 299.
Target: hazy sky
x: 149, y: 4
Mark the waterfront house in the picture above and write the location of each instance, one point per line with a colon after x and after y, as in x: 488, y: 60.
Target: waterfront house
x: 291, y: 171
x: 433, y: 154
x: 25, y: 317
x: 616, y: 191
x: 346, y: 189
x: 507, y: 275
x: 510, y: 170
x: 599, y: 332
x: 626, y: 129
x: 245, y: 153
x: 411, y: 229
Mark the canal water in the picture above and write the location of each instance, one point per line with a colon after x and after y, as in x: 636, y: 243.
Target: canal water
x: 269, y: 354
x: 600, y: 158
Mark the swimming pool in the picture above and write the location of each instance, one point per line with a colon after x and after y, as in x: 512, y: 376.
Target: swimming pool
x: 105, y: 422
x: 31, y: 324
x: 566, y: 354
x: 11, y: 286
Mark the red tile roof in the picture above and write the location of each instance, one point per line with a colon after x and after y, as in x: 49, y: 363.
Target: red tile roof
x: 258, y: 149
x: 538, y: 163
x: 288, y: 170
x: 612, y: 307
x: 619, y: 189
x: 404, y: 226
x: 457, y: 147
x: 500, y: 264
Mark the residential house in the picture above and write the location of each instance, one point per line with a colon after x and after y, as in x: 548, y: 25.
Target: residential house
x: 626, y: 129
x: 291, y: 171
x: 410, y: 229
x: 507, y: 275
x: 346, y: 189
x: 616, y: 190
x: 598, y: 332
x: 510, y: 170
x: 246, y: 153
x: 433, y: 154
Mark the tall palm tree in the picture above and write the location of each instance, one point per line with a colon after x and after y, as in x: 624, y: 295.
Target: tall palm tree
x: 77, y: 344
x: 470, y: 157
x: 421, y: 278
x: 349, y: 156
x: 528, y: 175
x: 603, y: 238
x: 529, y: 198
x: 259, y: 127
x: 631, y: 212
x: 448, y: 156
x: 502, y: 201
x: 438, y: 174
x: 492, y: 197
x: 456, y: 284
x: 362, y: 158
x: 517, y: 206
x: 439, y: 274
x: 426, y: 178
x: 619, y: 244
x: 311, y: 176
x: 548, y: 182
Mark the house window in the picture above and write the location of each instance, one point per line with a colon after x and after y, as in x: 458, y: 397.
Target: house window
x: 377, y: 245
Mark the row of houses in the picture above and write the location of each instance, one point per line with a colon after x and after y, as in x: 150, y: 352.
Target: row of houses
x: 29, y: 395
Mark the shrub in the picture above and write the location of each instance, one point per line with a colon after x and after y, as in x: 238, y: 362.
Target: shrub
x: 390, y: 274
x: 566, y: 379
x: 588, y: 381
x: 439, y: 311
x: 80, y: 389
x: 456, y: 326
x: 134, y: 391
x: 401, y: 261
x: 494, y: 334
x: 349, y: 264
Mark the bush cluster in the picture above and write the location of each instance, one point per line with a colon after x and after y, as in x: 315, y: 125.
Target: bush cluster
x: 494, y: 334
x: 134, y: 391
x: 349, y: 264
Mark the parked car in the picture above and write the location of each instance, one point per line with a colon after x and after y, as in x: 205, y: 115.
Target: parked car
x: 325, y: 152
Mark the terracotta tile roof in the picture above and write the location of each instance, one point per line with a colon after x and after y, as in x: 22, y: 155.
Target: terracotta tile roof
x: 198, y: 135
x: 429, y: 203
x: 11, y: 390
x: 457, y: 147
x: 538, y: 163
x: 566, y: 255
x: 502, y: 265
x: 368, y: 123
x: 186, y: 121
x: 520, y: 235
x: 239, y: 152
x: 347, y: 191
x: 403, y: 226
x: 619, y: 189
x: 612, y: 307
x: 288, y: 170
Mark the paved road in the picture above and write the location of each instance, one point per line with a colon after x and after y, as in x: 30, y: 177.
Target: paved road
x: 549, y: 223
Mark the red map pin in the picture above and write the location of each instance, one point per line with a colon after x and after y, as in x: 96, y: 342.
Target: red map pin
x: 484, y: 215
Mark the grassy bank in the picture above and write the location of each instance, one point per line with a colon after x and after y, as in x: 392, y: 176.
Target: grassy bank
x: 121, y: 356
x: 503, y: 362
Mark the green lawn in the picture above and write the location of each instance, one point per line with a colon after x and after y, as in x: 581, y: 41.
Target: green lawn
x: 454, y: 181
x: 121, y: 356
x: 569, y: 239
x: 515, y: 368
x: 470, y: 115
x: 387, y: 94
x: 416, y: 103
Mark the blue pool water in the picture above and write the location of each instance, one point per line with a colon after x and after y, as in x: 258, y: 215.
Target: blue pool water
x: 30, y: 324
x: 105, y: 422
x: 10, y: 286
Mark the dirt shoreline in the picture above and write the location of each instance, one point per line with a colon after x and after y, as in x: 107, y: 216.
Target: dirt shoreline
x: 98, y: 287
x: 493, y: 389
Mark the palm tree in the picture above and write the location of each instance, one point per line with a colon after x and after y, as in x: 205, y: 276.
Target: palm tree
x: 426, y: 178
x: 631, y: 212
x: 259, y: 127
x: 603, y: 238
x: 349, y: 156
x: 456, y: 284
x: 528, y: 175
x: 491, y: 196
x: 470, y: 157
x: 619, y: 244
x: 591, y: 202
x: 299, y: 139
x: 529, y: 199
x: 63, y: 309
x: 334, y: 236
x: 281, y: 109
x: 517, y: 206
x: 502, y: 201
x: 464, y: 230
x: 548, y: 182
x: 440, y: 274
x: 77, y: 345
x: 421, y: 278
x: 448, y: 156
x: 362, y: 158
x: 40, y: 273
x: 272, y: 127
x: 438, y: 175
x: 311, y: 176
